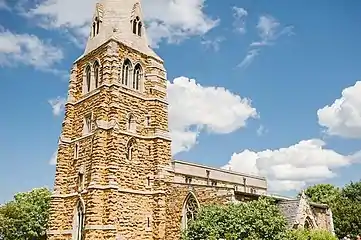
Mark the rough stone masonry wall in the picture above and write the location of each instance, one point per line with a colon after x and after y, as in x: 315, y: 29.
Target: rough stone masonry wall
x: 176, y: 196
x: 116, y: 196
x: 323, y: 218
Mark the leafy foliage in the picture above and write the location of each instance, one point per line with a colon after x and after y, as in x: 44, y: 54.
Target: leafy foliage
x: 345, y: 204
x: 25, y: 217
x: 301, y: 234
x: 249, y: 221
x: 323, y: 193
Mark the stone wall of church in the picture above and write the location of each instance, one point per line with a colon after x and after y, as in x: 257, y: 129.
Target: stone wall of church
x: 120, y: 195
x: 176, y: 196
x: 323, y: 218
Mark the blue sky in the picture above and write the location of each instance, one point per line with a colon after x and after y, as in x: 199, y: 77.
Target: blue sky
x: 273, y: 113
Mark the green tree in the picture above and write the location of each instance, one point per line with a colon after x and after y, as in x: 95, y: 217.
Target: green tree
x: 345, y: 204
x: 323, y: 193
x: 352, y: 191
x: 302, y: 234
x: 249, y: 221
x: 25, y: 217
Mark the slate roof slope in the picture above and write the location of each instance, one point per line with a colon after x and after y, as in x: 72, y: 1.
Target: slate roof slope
x: 289, y: 209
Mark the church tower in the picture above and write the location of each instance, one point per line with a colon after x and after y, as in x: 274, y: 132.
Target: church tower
x: 114, y: 148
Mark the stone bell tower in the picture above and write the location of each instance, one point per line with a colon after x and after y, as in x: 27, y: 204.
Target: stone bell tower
x: 114, y: 147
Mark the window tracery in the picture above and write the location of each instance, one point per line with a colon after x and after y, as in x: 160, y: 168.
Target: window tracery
x: 190, y: 210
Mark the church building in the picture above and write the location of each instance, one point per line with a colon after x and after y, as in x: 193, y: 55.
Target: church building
x: 115, y: 176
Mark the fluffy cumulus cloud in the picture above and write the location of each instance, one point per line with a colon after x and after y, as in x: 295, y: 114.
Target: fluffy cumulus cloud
x: 343, y: 117
x: 193, y: 108
x: 28, y: 50
x: 57, y: 105
x: 293, y: 167
x: 169, y: 20
x: 269, y: 30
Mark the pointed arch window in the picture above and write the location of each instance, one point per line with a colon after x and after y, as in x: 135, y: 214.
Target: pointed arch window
x: 131, y: 123
x: 88, y: 78
x: 96, y: 73
x: 96, y: 27
x: 79, y: 221
x: 137, y: 76
x: 126, y: 70
x: 130, y: 149
x: 137, y: 26
x: 308, y: 223
x: 190, y: 209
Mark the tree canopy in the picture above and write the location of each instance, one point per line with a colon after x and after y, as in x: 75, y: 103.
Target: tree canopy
x: 25, y: 217
x: 249, y: 221
x: 345, y: 204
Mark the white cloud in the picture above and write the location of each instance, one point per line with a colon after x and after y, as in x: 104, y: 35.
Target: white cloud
x: 239, y: 15
x: 213, y: 43
x: 53, y: 158
x: 293, y: 167
x: 169, y: 20
x: 269, y: 30
x: 58, y: 105
x: 261, y: 130
x: 249, y: 58
x: 4, y: 5
x: 343, y: 117
x: 28, y: 50
x: 193, y: 108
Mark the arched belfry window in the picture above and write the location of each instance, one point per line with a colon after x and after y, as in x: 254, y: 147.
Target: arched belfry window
x: 130, y: 149
x: 126, y: 72
x: 96, y: 27
x: 137, y: 76
x: 88, y: 78
x: 190, y: 208
x: 79, y: 221
x: 137, y: 26
x: 96, y: 73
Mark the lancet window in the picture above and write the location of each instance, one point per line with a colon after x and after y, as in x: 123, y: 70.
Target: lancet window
x: 130, y: 149
x: 79, y: 221
x: 137, y: 76
x: 96, y: 27
x: 96, y: 73
x: 126, y: 72
x: 88, y: 78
